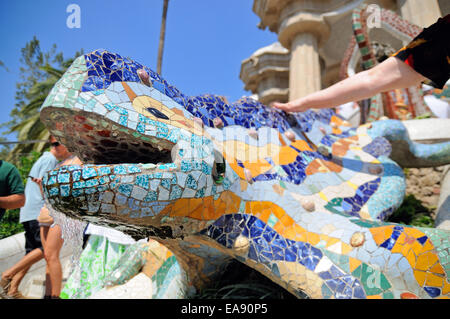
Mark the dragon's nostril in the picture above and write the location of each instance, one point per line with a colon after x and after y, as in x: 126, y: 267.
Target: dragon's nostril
x: 157, y: 113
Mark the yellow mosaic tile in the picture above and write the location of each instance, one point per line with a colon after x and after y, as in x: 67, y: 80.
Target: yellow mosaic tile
x: 352, y: 185
x: 433, y: 280
x: 354, y: 263
x: 425, y: 260
x: 378, y: 234
x: 411, y: 257
x: 420, y: 277
x: 417, y: 247
x: 322, y: 195
x: 332, y: 241
x: 290, y: 233
x: 437, y: 269
x: 346, y: 248
x: 413, y: 232
x: 428, y: 245
x: 446, y: 288
x: 313, y: 238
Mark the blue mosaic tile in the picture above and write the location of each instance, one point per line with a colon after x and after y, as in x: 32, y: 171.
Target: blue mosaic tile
x: 378, y: 147
x: 142, y: 181
x: 80, y: 184
x: 64, y: 190
x: 120, y: 170
x: 125, y: 189
x: 89, y: 172
x: 104, y: 170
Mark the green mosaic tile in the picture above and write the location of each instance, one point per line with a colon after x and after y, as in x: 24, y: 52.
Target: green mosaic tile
x: 360, y: 38
x: 272, y: 220
x: 373, y: 280
x: 365, y: 51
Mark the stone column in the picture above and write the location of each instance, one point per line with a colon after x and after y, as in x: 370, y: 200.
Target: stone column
x: 303, y: 33
x: 304, y: 77
x: 420, y: 12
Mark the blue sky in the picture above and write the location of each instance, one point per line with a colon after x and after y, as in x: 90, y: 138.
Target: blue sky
x: 206, y: 40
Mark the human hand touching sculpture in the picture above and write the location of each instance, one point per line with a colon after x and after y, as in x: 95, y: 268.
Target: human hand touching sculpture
x: 388, y: 75
x: 423, y: 59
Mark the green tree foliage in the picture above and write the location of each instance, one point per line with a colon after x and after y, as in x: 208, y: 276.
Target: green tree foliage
x: 9, y: 224
x: 38, y: 74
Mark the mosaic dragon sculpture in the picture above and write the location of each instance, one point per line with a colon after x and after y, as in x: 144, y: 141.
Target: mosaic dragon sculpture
x: 301, y: 198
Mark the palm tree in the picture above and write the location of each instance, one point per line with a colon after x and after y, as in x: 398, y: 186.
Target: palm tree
x: 162, y: 36
x: 31, y: 127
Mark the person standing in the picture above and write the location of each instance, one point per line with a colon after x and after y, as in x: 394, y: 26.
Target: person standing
x: 52, y: 241
x: 11, y: 188
x: 34, y: 201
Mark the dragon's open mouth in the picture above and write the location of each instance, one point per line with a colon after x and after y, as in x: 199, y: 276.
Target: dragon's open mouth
x: 121, y: 148
x: 96, y: 141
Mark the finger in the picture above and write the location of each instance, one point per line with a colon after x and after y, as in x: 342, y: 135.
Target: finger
x: 279, y: 105
x: 272, y: 104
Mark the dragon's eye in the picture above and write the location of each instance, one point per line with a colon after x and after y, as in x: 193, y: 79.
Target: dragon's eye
x: 157, y: 113
x: 218, y: 171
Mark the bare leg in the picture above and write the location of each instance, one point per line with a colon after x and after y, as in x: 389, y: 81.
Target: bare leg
x: 52, y: 249
x: 48, y: 283
x: 19, y: 270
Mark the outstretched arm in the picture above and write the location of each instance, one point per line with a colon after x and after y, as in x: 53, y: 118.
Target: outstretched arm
x: 388, y: 75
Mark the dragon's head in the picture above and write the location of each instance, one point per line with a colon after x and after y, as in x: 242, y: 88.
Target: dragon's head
x: 145, y: 154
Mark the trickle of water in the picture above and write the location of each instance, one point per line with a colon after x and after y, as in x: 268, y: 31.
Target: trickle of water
x: 72, y: 232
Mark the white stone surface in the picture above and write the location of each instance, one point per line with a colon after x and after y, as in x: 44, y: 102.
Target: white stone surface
x: 428, y: 130
x: 138, y: 287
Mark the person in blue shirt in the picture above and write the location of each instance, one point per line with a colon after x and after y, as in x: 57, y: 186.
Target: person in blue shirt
x: 34, y: 201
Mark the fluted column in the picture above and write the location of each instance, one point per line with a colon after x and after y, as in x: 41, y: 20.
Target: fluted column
x: 420, y: 12
x: 303, y: 33
x: 304, y: 77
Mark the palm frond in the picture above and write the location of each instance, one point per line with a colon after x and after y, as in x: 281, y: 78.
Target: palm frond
x: 34, y: 105
x: 23, y: 127
x: 42, y: 87
x: 52, y: 71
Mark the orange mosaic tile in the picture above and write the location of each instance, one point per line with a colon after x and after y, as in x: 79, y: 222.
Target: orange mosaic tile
x: 204, y: 208
x: 341, y: 147
x: 354, y: 263
x: 320, y: 166
x: 408, y: 295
